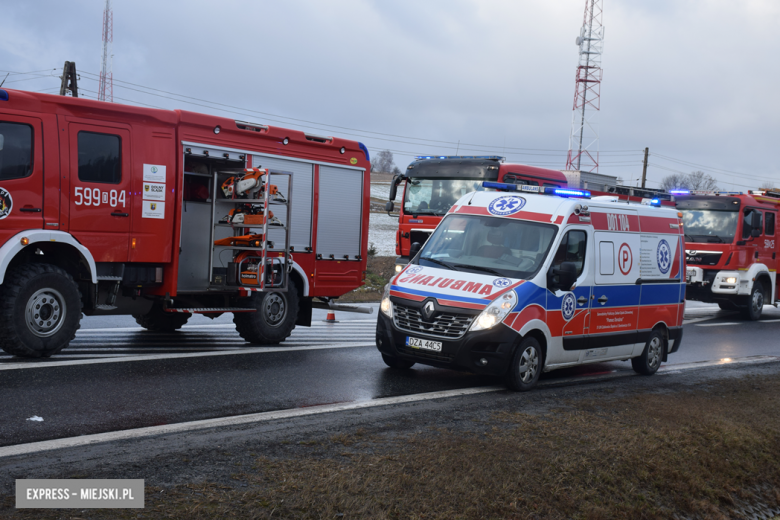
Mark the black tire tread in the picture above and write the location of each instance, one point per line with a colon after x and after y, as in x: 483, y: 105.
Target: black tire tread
x: 397, y: 363
x: 14, y: 283
x: 157, y: 320
x: 248, y: 324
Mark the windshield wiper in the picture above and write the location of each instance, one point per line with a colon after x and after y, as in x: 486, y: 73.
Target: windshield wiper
x: 717, y: 240
x: 435, y: 261
x: 480, y: 268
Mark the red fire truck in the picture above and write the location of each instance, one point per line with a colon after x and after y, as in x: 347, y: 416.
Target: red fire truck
x: 432, y: 184
x: 113, y: 209
x: 731, y: 248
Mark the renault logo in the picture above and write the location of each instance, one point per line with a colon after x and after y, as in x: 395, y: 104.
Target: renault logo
x: 428, y: 310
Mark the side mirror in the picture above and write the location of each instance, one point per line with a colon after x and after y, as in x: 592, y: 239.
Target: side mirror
x: 755, y: 220
x: 2, y: 140
x: 394, y: 187
x: 389, y: 206
x: 414, y: 249
x: 562, y: 277
x: 755, y: 232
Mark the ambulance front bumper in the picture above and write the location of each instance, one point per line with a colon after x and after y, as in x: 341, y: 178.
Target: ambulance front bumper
x: 483, y: 352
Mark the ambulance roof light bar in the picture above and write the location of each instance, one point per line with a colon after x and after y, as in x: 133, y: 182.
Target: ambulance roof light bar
x: 541, y: 190
x: 486, y: 157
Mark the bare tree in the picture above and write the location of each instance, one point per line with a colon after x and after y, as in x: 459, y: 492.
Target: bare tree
x: 383, y: 162
x: 675, y: 181
x: 697, y: 180
x: 767, y: 185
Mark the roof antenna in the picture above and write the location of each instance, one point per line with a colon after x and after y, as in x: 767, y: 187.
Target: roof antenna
x: 472, y: 197
x: 5, y: 78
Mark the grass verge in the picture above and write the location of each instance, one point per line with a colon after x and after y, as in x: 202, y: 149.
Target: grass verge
x: 690, y: 454
x: 380, y: 270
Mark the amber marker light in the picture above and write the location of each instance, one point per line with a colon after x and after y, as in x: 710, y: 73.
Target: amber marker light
x: 25, y: 241
x: 132, y: 244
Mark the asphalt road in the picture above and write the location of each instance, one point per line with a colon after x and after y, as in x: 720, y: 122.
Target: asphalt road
x: 116, y: 377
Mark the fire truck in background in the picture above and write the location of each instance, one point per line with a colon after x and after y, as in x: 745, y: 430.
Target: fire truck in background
x: 112, y: 209
x: 432, y: 184
x: 731, y: 248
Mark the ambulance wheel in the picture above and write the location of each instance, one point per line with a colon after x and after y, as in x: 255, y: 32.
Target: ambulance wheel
x: 649, y: 361
x: 274, y: 320
x: 755, y: 303
x: 157, y: 320
x: 394, y: 362
x: 526, y: 366
x: 40, y: 310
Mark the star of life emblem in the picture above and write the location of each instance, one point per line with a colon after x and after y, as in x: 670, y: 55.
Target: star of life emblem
x: 568, y: 306
x: 664, y: 256
x: 503, y: 206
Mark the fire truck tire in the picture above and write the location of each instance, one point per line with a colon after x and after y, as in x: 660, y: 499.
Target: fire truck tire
x: 649, y: 361
x: 274, y: 320
x: 526, y: 365
x: 394, y: 362
x: 157, y: 320
x: 755, y: 304
x: 40, y: 310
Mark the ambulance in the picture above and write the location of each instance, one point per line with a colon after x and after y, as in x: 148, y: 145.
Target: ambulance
x: 529, y: 279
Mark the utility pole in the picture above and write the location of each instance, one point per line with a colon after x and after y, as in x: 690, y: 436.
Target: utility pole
x: 69, y: 82
x: 644, y: 168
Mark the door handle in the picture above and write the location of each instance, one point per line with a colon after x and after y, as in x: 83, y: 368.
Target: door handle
x: 582, y: 300
x: 115, y: 214
x: 30, y: 210
x: 602, y: 300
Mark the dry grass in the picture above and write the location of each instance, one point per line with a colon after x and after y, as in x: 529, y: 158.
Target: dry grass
x: 650, y: 456
x: 380, y: 270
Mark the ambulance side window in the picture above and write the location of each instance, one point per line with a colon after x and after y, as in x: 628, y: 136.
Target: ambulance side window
x: 100, y: 158
x: 16, y: 150
x: 572, y: 249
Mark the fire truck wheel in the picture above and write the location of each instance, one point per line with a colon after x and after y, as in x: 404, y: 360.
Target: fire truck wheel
x: 274, y: 320
x: 157, y: 320
x: 755, y: 304
x: 526, y: 366
x: 40, y: 310
x: 649, y: 361
x: 394, y: 362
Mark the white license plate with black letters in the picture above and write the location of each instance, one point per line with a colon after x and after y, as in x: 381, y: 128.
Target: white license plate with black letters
x: 423, y: 344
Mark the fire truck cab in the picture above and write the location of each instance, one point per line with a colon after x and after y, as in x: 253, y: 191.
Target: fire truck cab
x: 114, y: 209
x: 432, y: 184
x: 514, y: 284
x: 731, y: 248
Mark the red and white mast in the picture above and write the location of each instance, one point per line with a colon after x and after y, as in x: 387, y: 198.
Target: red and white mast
x: 584, y: 138
x: 106, y: 86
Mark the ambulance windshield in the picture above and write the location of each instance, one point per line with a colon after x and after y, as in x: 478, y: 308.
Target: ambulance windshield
x: 505, y: 247
x: 706, y: 225
x: 436, y: 196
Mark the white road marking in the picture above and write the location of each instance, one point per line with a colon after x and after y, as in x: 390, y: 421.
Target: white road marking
x: 141, y: 357
x: 226, y: 326
x: 34, y: 447
x: 84, y: 440
x: 720, y: 324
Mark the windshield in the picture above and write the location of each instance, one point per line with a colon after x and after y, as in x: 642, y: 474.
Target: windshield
x: 705, y: 225
x: 436, y: 196
x: 505, y: 247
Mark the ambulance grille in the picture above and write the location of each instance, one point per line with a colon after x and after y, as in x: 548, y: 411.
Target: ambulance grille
x: 445, y: 326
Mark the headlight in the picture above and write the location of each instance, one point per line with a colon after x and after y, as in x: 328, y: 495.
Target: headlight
x: 731, y: 279
x: 496, y: 311
x: 398, y: 268
x: 386, y: 306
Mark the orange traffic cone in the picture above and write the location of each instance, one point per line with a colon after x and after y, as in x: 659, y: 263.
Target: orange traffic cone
x: 331, y: 318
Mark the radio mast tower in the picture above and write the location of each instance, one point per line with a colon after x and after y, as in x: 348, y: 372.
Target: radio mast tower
x: 584, y: 139
x: 106, y: 85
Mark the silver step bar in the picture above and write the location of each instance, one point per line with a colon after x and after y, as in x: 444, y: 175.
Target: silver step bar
x: 330, y: 306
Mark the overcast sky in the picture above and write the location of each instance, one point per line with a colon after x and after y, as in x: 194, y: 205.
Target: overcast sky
x: 696, y: 81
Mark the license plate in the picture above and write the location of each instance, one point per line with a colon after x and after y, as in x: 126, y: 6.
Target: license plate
x: 690, y: 274
x: 423, y: 344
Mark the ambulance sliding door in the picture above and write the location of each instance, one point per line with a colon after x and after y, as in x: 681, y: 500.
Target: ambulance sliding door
x: 615, y: 302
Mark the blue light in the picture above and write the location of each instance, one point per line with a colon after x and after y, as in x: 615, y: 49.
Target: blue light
x: 499, y: 186
x: 655, y: 202
x: 680, y: 192
x: 365, y: 151
x: 3, y: 95
x: 563, y: 192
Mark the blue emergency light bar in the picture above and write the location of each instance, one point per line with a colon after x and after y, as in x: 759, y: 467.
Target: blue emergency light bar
x: 656, y: 203
x: 486, y: 157
x: 680, y: 192
x: 541, y: 190
x: 3, y: 95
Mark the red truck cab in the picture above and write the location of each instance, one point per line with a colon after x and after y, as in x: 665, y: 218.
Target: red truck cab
x: 432, y: 184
